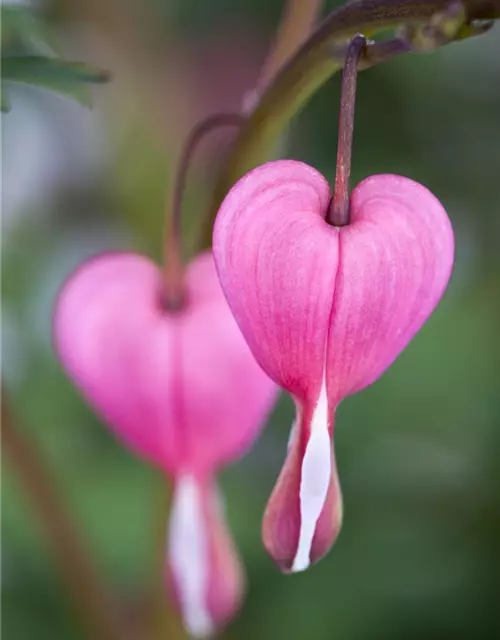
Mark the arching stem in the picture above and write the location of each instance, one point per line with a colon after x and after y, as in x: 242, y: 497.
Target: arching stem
x: 338, y: 212
x: 175, y: 296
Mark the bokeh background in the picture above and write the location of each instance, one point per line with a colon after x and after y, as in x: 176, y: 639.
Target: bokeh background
x: 418, y: 452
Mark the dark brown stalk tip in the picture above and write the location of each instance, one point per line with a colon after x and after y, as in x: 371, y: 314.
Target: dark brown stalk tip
x: 338, y: 211
x: 173, y: 303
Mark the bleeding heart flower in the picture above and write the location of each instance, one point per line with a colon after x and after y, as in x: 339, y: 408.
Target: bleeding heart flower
x: 325, y: 311
x: 182, y: 390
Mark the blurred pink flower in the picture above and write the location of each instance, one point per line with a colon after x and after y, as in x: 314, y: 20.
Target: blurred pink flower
x: 183, y: 391
x: 325, y: 311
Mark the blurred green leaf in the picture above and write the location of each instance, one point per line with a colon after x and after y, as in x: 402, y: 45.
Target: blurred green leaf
x: 30, y: 55
x: 68, y: 78
x: 43, y: 70
x: 24, y: 32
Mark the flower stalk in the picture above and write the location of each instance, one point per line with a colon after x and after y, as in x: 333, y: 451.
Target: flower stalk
x: 338, y: 211
x: 322, y: 55
x: 175, y: 293
x: 298, y: 19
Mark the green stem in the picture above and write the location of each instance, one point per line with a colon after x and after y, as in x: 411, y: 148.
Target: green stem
x: 315, y: 61
x: 296, y: 24
x: 90, y: 596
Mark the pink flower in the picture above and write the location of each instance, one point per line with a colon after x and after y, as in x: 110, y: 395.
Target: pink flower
x: 183, y: 391
x: 325, y: 311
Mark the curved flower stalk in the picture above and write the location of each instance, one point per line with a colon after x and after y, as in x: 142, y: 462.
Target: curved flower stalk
x: 325, y: 311
x: 182, y: 390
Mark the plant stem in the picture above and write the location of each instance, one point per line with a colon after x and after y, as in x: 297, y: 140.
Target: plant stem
x: 89, y: 594
x: 314, y: 62
x: 299, y: 17
x: 338, y: 212
x: 175, y: 297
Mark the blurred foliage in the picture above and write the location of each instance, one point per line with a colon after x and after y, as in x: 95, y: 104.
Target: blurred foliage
x: 418, y: 452
x: 29, y: 55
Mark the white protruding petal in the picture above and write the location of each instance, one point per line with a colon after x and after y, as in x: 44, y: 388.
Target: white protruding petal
x: 315, y: 478
x: 188, y: 550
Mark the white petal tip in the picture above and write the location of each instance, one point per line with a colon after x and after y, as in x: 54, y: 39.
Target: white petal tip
x: 315, y: 476
x: 300, y: 564
x: 201, y: 628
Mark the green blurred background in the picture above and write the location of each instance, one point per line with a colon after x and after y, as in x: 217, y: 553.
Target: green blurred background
x: 418, y: 453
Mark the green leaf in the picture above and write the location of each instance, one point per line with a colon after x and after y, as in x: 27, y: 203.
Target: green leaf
x: 24, y: 33
x: 39, y: 69
x: 68, y: 78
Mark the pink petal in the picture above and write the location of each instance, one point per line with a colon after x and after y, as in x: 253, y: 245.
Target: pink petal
x: 277, y: 262
x: 396, y: 260
x: 226, y: 395
x: 181, y: 389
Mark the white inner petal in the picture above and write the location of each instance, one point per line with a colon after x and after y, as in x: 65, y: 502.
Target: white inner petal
x: 315, y: 477
x: 188, y: 550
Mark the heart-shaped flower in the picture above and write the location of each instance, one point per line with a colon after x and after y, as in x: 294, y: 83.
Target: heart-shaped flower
x: 325, y: 311
x: 183, y: 391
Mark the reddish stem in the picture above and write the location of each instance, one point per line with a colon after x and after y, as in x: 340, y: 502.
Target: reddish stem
x: 173, y: 268
x: 338, y: 212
